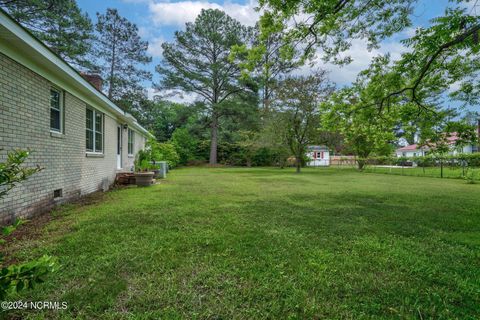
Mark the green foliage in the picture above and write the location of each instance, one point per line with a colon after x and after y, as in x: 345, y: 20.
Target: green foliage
x: 239, y: 154
x: 120, y: 53
x: 6, y: 231
x: 332, y: 24
x: 143, y: 165
x: 163, y: 152
x: 142, y: 160
x: 12, y: 171
x: 471, y: 177
x: 198, y: 61
x: 185, y: 145
x: 299, y: 246
x: 351, y: 112
x: 145, y: 159
x: 163, y: 117
x: 17, y: 277
x: 267, y: 59
x: 443, y: 56
x: 297, y: 100
x: 435, y: 164
x: 442, y: 59
x: 60, y: 24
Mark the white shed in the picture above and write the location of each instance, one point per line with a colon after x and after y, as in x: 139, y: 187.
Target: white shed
x: 319, y: 156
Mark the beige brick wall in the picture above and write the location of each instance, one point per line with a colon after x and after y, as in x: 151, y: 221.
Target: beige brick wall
x: 25, y: 123
x: 139, y: 143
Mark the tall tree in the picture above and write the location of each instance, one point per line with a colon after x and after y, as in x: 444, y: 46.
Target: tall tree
x: 442, y: 54
x: 60, y: 24
x: 198, y: 61
x: 121, y: 53
x: 267, y: 60
x: 332, y: 24
x: 365, y: 133
x: 298, y: 99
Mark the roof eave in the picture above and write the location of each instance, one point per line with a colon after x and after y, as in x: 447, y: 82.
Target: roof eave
x: 20, y: 45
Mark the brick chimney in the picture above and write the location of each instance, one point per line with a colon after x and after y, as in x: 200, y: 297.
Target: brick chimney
x: 94, y: 79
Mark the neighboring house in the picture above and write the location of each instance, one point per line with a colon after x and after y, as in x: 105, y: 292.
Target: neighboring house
x: 416, y: 150
x: 319, y: 156
x: 413, y: 150
x: 80, y: 137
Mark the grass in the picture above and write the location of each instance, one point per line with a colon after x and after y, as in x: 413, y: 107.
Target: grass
x: 448, y: 172
x: 266, y: 244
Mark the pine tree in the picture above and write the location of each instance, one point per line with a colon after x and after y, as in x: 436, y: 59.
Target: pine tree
x: 120, y: 52
x: 199, y: 61
x: 60, y: 24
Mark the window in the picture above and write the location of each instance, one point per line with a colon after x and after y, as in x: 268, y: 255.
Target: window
x: 56, y: 110
x: 319, y: 155
x: 131, y: 140
x: 94, y: 131
x: 57, y: 193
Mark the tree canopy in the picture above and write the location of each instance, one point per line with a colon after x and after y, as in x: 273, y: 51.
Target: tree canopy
x: 121, y: 53
x: 258, y: 99
x: 60, y: 24
x: 199, y: 61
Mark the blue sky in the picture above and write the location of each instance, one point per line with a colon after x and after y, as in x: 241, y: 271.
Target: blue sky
x: 158, y: 20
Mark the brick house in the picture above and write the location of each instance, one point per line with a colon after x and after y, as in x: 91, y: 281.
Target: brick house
x: 80, y: 137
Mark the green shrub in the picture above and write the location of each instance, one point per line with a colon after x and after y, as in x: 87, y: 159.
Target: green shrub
x: 471, y: 177
x: 264, y: 157
x: 13, y: 172
x: 163, y: 152
x: 17, y: 277
x: 143, y: 161
x: 184, y: 144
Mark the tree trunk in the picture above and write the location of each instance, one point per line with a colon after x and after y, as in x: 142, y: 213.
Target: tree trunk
x: 112, y: 68
x: 298, y: 164
x: 441, y: 168
x: 214, y: 140
x: 361, y: 164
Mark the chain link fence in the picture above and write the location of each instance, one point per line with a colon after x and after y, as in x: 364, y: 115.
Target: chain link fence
x: 460, y: 166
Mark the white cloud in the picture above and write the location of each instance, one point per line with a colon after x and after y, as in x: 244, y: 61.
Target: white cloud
x: 408, y: 32
x: 472, y: 5
x: 173, y: 95
x: 144, y: 32
x: 178, y: 13
x: 136, y: 1
x: 361, y: 59
x: 155, y: 47
x: 361, y: 56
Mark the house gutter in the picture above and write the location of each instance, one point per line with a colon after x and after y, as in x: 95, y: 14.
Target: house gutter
x: 20, y: 45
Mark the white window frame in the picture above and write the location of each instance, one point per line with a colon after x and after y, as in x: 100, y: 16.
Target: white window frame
x: 94, y: 131
x: 61, y: 110
x: 130, y: 135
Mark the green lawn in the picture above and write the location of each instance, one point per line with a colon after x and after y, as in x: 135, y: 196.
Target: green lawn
x: 267, y: 244
x: 448, y: 172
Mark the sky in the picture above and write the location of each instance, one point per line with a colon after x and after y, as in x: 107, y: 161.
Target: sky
x: 158, y: 20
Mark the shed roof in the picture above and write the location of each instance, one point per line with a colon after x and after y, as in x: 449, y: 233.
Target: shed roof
x: 317, y: 148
